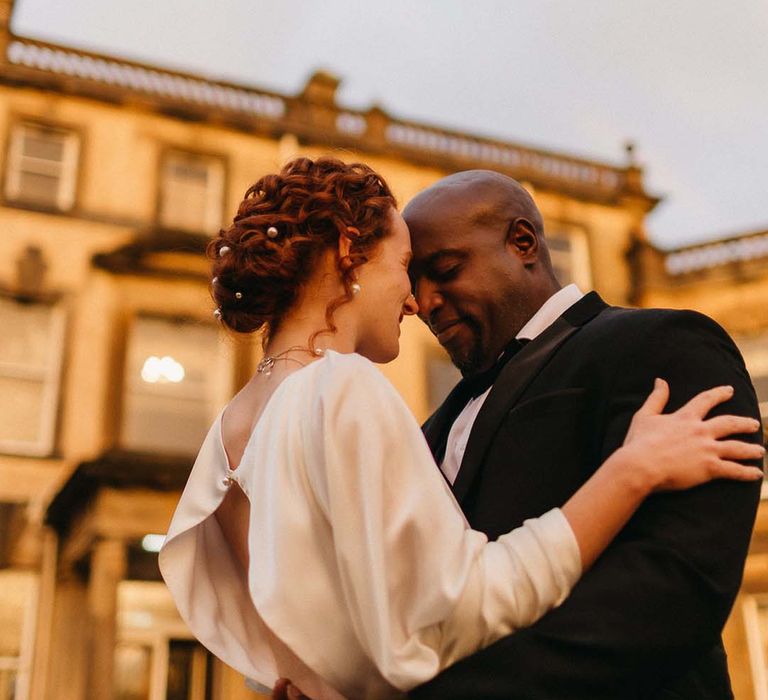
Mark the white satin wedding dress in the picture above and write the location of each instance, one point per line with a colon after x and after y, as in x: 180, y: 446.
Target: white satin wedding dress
x: 364, y: 578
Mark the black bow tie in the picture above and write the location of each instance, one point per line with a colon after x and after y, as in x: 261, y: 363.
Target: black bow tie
x: 468, y: 388
x: 478, y: 384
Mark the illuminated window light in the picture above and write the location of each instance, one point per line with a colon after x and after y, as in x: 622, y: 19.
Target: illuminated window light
x: 152, y: 542
x: 162, y: 370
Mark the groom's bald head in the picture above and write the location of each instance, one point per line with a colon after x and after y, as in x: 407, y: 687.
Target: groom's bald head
x: 480, y: 266
x: 474, y: 195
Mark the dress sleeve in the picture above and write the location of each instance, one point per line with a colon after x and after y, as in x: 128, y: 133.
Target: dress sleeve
x: 422, y: 589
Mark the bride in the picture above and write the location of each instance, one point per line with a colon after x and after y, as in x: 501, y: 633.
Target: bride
x: 316, y: 539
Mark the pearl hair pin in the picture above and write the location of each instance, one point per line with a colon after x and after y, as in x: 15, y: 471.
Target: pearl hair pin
x: 224, y: 250
x: 215, y: 280
x: 238, y: 295
x: 272, y: 232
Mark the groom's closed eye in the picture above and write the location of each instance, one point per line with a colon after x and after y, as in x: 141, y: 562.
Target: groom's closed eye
x: 444, y: 268
x: 445, y: 273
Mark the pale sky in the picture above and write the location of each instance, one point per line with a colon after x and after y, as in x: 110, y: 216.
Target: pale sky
x: 687, y: 80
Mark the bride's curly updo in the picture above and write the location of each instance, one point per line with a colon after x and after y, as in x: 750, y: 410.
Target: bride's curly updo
x: 283, y: 225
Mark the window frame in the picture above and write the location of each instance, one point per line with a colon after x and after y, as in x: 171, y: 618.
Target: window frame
x: 580, y: 253
x: 51, y: 378
x: 223, y: 386
x: 754, y: 349
x: 69, y: 167
x: 21, y: 665
x: 216, y: 202
x: 158, y: 638
x: 434, y: 356
x: 751, y: 606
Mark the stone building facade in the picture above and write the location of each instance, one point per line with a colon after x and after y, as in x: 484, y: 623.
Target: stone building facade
x: 113, y: 174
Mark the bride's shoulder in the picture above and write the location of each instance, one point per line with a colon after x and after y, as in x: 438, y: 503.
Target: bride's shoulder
x: 350, y: 374
x: 348, y: 362
x: 351, y: 393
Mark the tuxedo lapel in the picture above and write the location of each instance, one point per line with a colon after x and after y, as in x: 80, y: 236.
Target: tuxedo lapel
x: 513, y: 380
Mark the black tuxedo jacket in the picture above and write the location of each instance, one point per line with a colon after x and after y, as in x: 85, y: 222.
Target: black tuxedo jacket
x: 645, y: 621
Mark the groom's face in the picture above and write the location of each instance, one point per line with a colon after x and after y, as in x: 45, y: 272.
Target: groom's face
x: 469, y: 284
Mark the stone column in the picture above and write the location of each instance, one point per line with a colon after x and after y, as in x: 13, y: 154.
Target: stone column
x: 108, y: 565
x: 45, y: 611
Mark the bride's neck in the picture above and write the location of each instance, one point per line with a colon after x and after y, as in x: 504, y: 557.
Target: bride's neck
x: 308, y: 316
x: 298, y: 326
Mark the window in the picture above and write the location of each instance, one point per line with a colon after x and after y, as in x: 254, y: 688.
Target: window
x: 30, y: 368
x: 17, y: 624
x: 755, y: 611
x: 156, y: 657
x: 442, y: 376
x: 176, y: 379
x: 755, y: 351
x: 192, y: 192
x: 42, y: 166
x: 569, y: 250
x: 133, y: 671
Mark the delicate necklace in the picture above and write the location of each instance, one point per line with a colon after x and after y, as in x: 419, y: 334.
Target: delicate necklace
x: 268, y: 362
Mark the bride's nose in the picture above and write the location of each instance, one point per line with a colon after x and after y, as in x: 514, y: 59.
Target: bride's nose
x: 410, y: 307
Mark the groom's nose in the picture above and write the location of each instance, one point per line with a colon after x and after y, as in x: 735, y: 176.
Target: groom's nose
x: 428, y: 297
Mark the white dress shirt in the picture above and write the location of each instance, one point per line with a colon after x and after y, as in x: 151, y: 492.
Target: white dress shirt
x: 364, y: 578
x: 548, y: 313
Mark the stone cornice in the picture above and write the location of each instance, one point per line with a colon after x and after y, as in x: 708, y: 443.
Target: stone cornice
x: 742, y: 259
x: 719, y: 253
x: 313, y: 116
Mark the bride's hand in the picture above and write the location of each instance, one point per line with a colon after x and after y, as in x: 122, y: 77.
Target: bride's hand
x: 683, y: 449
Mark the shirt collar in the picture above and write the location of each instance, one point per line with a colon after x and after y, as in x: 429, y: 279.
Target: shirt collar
x: 550, y: 311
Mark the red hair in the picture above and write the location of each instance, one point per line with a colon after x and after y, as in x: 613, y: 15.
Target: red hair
x: 282, y: 226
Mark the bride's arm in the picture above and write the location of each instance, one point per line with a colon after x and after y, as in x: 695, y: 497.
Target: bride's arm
x: 422, y: 589
x: 661, y: 452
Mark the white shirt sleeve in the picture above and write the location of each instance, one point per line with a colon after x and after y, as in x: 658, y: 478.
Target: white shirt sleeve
x: 421, y: 587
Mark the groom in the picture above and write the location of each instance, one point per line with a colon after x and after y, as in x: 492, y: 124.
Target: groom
x: 552, y: 378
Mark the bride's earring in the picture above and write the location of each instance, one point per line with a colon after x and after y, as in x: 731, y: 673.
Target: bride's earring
x: 355, y: 288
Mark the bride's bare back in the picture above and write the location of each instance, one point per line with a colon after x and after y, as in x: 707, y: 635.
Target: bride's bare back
x: 233, y: 515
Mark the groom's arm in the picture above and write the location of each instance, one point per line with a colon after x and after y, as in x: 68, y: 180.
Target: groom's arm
x: 657, y: 599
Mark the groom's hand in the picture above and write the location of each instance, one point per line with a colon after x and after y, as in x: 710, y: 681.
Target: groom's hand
x: 285, y: 690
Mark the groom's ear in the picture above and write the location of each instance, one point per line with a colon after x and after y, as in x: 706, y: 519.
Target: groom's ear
x: 522, y: 240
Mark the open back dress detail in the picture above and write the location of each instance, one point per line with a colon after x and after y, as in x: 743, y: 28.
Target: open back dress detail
x: 362, y: 566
